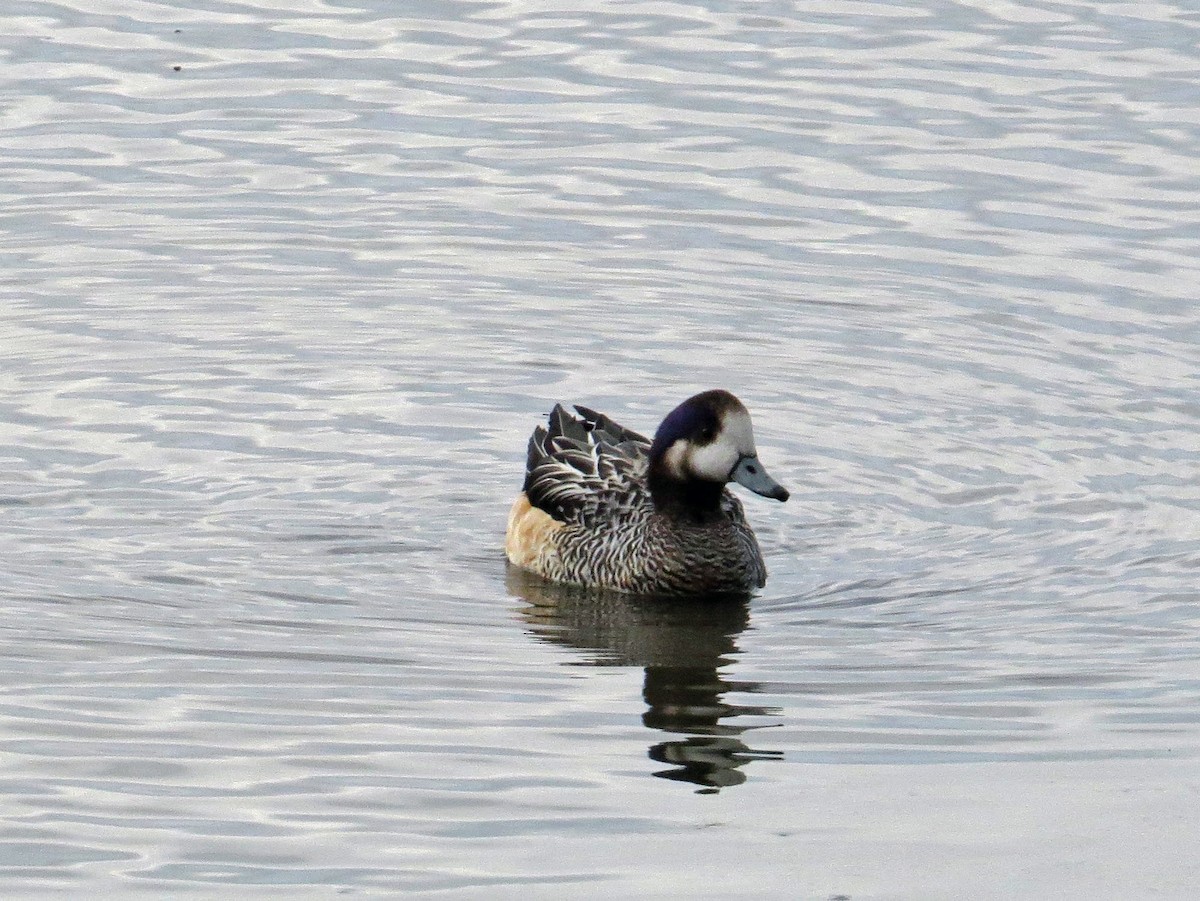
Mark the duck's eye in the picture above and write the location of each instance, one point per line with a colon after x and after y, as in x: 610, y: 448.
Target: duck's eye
x: 707, y: 433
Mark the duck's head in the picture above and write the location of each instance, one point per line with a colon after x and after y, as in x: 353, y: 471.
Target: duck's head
x: 704, y: 443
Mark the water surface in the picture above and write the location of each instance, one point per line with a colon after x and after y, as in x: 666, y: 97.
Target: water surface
x: 286, y: 289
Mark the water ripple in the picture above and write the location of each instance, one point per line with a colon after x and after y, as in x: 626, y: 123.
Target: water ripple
x: 288, y: 285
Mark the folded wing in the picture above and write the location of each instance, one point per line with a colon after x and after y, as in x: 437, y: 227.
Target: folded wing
x: 585, y: 467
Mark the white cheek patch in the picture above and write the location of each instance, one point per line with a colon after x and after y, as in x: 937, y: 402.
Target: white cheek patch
x: 676, y: 459
x: 737, y: 432
x: 713, y: 462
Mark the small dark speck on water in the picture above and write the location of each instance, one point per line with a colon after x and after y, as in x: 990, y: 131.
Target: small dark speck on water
x: 177, y: 68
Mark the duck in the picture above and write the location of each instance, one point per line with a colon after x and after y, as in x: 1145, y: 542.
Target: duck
x: 604, y: 507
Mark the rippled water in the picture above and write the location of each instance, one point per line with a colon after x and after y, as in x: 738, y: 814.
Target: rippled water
x: 286, y: 287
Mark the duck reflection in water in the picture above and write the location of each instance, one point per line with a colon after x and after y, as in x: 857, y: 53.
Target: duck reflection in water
x: 682, y: 644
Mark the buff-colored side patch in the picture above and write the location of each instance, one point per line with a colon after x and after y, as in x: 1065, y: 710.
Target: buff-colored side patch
x: 530, y: 530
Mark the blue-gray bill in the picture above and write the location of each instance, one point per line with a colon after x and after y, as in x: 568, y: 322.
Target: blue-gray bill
x: 750, y: 473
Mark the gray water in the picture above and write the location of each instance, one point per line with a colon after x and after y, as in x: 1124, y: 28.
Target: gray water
x: 285, y: 287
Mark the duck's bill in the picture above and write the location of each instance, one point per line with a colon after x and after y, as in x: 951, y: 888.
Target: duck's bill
x: 750, y: 473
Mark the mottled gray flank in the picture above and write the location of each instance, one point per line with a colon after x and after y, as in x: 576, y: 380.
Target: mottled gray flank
x: 648, y: 552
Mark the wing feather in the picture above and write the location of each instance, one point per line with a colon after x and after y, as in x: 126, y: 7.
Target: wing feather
x: 578, y: 468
